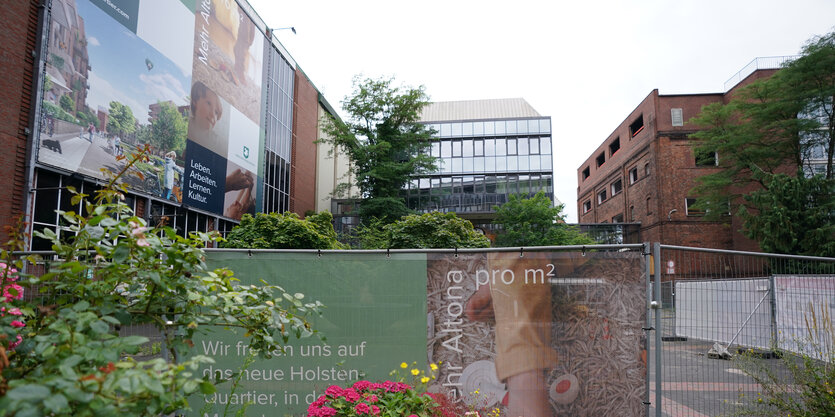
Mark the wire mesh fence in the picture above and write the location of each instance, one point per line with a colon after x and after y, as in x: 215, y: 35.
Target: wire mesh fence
x: 718, y: 307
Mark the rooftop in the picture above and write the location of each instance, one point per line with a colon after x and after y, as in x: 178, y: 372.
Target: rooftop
x: 505, y: 108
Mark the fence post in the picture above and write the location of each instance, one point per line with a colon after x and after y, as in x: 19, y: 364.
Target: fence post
x: 772, y: 286
x: 656, y: 305
x: 648, y: 325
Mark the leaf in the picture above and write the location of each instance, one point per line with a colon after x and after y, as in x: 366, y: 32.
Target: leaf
x: 134, y: 340
x: 207, y: 388
x: 121, y: 253
x: 99, y: 326
x: 29, y: 392
x: 56, y: 403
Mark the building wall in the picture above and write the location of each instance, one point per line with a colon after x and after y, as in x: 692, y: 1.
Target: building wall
x: 18, y: 38
x: 305, y: 133
x: 662, y: 155
x: 332, y: 169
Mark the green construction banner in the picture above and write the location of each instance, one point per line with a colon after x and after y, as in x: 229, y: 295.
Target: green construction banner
x: 527, y: 333
x: 374, y: 319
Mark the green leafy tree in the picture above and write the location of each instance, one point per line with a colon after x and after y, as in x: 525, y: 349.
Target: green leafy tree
x: 61, y: 350
x: 121, y: 120
x: 284, y: 231
x: 535, y: 222
x: 774, y: 127
x: 384, y: 143
x: 67, y: 104
x: 430, y: 230
x: 169, y: 129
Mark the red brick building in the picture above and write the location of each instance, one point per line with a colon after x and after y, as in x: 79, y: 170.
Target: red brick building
x: 644, y: 171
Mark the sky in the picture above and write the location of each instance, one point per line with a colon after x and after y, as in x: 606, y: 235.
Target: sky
x: 587, y: 64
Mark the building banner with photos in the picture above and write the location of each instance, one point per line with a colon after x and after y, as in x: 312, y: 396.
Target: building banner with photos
x: 546, y: 333
x: 183, y: 76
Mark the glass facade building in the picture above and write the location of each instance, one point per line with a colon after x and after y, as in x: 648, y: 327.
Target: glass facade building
x: 482, y: 162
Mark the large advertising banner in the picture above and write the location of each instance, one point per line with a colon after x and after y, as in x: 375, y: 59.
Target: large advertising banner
x: 183, y: 76
x: 542, y: 334
x: 374, y: 319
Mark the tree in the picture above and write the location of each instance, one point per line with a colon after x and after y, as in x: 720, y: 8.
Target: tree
x: 430, y: 230
x: 169, y: 129
x: 67, y: 104
x: 120, y: 121
x: 535, y: 222
x: 384, y: 142
x: 772, y: 128
x: 284, y: 231
x: 61, y: 352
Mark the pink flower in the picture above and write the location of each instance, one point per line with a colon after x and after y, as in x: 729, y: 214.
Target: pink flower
x: 351, y: 395
x: 320, y: 401
x: 14, y: 311
x: 362, y: 408
x: 372, y: 398
x: 12, y: 292
x: 361, y: 385
x: 334, y: 391
x: 138, y: 231
x: 413, y: 415
x: 14, y: 344
x: 375, y: 410
x: 142, y: 242
x: 17, y: 323
x: 326, y: 412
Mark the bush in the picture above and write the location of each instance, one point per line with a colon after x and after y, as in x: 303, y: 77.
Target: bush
x: 424, y: 231
x: 61, y: 352
x: 284, y: 231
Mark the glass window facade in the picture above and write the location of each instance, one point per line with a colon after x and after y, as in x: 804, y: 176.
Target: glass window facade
x: 482, y: 162
x: 279, y: 135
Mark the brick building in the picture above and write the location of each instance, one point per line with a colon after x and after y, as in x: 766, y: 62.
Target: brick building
x: 63, y: 49
x: 644, y: 171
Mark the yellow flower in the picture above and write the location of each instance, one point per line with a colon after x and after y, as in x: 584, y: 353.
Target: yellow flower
x: 424, y: 380
x: 415, y: 372
x: 433, y: 366
x: 404, y: 365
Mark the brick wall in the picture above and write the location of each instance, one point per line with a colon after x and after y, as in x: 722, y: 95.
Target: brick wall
x: 305, y: 132
x: 18, y: 36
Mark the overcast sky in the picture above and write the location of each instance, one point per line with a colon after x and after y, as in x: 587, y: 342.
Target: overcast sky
x: 587, y: 64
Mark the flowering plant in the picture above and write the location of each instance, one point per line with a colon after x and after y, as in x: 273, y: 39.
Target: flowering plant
x: 11, y: 320
x: 386, y: 399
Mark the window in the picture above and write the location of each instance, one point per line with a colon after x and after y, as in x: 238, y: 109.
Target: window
x: 618, y: 218
x: 511, y: 146
x: 706, y: 158
x: 646, y: 169
x: 649, y: 206
x: 601, y: 197
x: 677, y: 117
x: 601, y: 159
x: 692, y: 211
x: 617, y: 187
x: 631, y: 213
x: 637, y: 126
x: 614, y: 146
x: 586, y: 206
x: 478, y: 147
x: 586, y: 173
x: 633, y: 175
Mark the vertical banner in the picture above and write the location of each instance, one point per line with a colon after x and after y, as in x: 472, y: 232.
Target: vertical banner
x: 540, y: 334
x: 375, y: 318
x: 223, y: 149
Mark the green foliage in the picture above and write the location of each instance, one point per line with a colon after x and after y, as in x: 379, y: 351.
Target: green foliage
x: 58, y: 112
x: 535, y: 222
x: 795, y: 215
x: 121, y: 121
x: 169, y: 129
x: 431, y: 230
x: 86, y: 117
x: 115, y: 271
x: 284, y: 231
x: 773, y: 127
x: 809, y: 388
x: 67, y: 103
x: 383, y: 140
x: 386, y: 209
